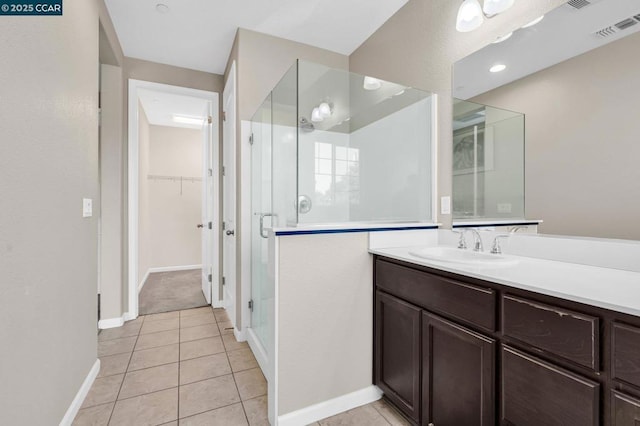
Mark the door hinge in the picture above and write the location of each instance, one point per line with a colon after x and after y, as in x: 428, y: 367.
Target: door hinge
x: 224, y: 226
x: 224, y: 280
x: 251, y: 139
x: 251, y: 305
x: 210, y: 277
x: 210, y: 171
x: 209, y: 119
x: 224, y: 172
x: 210, y: 225
x: 224, y: 116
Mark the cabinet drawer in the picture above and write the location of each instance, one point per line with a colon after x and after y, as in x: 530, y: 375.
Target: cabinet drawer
x: 472, y: 304
x: 626, y: 353
x: 535, y: 393
x: 625, y: 410
x: 568, y: 334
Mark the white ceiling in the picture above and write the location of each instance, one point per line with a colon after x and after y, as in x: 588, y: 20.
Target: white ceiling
x: 198, y: 34
x: 161, y: 106
x: 564, y: 33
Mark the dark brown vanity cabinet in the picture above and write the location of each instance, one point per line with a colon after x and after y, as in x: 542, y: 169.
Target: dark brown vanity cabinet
x: 451, y: 355
x: 397, y: 342
x: 451, y: 350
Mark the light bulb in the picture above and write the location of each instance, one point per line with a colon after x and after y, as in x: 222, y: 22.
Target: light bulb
x: 325, y: 110
x: 498, y: 68
x: 469, y: 16
x: 493, y: 7
x: 316, y: 116
x: 371, y: 83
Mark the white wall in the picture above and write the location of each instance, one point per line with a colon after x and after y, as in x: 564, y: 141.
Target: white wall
x: 174, y: 208
x: 48, y: 251
x: 144, y: 248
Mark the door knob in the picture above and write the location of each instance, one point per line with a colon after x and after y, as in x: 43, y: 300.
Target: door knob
x: 200, y: 225
x: 230, y: 232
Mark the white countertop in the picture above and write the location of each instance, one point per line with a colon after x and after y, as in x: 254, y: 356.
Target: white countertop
x: 614, y: 289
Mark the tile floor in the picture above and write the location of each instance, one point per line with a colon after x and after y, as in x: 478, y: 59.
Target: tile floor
x: 171, y: 291
x: 186, y: 367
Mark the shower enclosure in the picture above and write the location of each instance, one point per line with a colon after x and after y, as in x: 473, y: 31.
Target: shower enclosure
x: 336, y: 149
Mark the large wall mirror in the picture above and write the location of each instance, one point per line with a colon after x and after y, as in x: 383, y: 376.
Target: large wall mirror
x: 572, y: 82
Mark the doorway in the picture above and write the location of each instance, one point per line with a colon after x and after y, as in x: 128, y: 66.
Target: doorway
x: 173, y: 191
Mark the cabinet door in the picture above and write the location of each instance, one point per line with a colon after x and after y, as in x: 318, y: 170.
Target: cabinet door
x: 625, y: 410
x: 457, y: 375
x: 536, y: 393
x: 397, y: 353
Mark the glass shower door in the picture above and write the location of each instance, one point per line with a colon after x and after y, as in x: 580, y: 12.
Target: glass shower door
x: 261, y: 209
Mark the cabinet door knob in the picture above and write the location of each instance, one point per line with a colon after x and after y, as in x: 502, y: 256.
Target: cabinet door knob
x: 431, y: 424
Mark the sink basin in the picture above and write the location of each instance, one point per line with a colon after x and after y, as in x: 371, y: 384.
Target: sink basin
x: 463, y: 257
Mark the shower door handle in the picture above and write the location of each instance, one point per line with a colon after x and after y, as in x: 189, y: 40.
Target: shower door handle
x: 262, y: 216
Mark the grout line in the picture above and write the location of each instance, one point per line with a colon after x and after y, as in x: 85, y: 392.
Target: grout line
x: 215, y: 409
x: 179, y: 367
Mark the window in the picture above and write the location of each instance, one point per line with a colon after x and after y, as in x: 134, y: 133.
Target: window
x: 337, y: 174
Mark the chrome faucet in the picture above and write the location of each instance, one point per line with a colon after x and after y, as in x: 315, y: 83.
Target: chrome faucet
x: 495, y: 248
x: 477, y: 239
x: 462, y: 243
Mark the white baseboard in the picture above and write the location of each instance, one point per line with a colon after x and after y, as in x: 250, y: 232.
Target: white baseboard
x: 259, y: 352
x: 241, y: 336
x: 166, y: 269
x: 128, y: 316
x: 331, y: 407
x: 73, y: 409
x: 111, y: 323
x: 217, y: 304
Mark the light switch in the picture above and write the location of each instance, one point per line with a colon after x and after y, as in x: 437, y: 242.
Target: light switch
x: 87, y: 207
x: 445, y: 205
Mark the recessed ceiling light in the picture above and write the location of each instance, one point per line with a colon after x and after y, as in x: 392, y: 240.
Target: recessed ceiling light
x: 187, y: 119
x: 162, y: 8
x: 503, y: 38
x: 532, y: 23
x: 371, y: 83
x: 498, y: 68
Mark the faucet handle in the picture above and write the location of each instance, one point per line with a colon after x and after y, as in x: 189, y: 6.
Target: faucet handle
x: 495, y: 247
x: 462, y: 243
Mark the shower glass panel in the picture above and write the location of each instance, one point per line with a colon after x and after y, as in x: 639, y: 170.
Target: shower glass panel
x: 333, y: 147
x: 260, y: 206
x: 488, y: 162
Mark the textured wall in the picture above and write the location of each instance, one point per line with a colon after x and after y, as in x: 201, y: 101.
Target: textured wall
x: 48, y: 251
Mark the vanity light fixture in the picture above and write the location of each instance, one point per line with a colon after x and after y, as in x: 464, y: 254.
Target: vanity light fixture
x: 316, y: 115
x: 498, y: 68
x: 371, y: 83
x: 534, y: 22
x: 471, y: 15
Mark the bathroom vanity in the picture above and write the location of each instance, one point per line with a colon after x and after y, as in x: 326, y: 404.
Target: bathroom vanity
x: 453, y: 349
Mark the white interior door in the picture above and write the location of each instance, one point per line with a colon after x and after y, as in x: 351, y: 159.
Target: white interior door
x: 207, y: 222
x: 229, y: 197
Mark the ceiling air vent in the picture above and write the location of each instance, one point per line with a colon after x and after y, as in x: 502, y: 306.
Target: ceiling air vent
x: 579, y: 4
x: 620, y: 26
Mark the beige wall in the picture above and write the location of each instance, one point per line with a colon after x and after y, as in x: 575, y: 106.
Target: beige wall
x: 261, y: 61
x: 48, y: 251
x: 418, y: 46
x: 111, y: 196
x: 325, y: 318
x: 174, y: 208
x: 144, y: 143
x: 582, y: 146
x: 139, y: 69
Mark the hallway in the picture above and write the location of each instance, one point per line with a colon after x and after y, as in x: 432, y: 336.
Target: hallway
x: 171, y: 291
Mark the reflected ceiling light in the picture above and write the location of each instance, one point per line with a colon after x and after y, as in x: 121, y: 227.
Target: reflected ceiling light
x: 316, y: 115
x: 503, y: 38
x: 162, y: 8
x: 535, y: 21
x: 371, y: 83
x: 498, y: 68
x: 187, y: 119
x: 493, y: 7
x: 347, y: 119
x: 399, y: 93
x: 325, y: 110
x: 471, y: 15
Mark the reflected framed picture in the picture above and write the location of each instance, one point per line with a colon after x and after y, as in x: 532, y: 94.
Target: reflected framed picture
x: 472, y: 149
